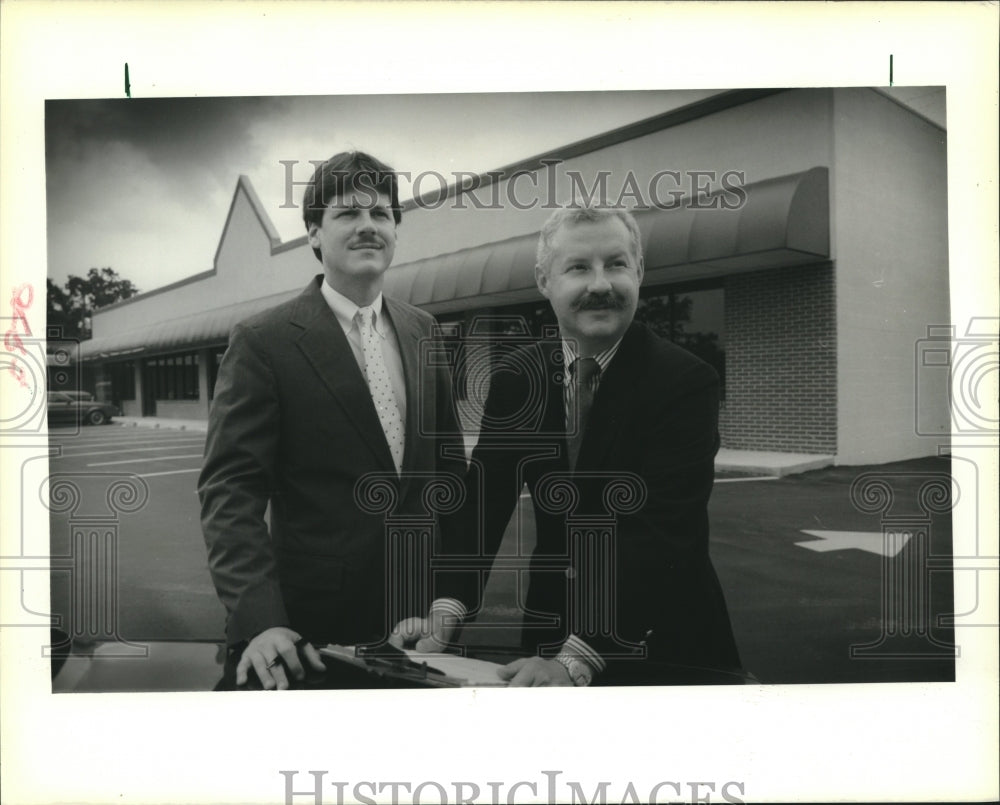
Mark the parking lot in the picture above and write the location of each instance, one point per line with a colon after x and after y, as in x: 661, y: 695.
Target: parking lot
x: 799, y: 601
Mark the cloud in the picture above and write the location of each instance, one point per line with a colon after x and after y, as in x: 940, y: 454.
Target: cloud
x: 143, y: 185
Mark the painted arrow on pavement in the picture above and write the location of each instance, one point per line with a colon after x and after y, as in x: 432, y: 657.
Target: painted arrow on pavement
x: 871, y: 541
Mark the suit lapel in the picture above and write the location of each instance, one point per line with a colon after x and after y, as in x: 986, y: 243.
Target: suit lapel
x: 554, y: 416
x: 612, y: 401
x: 326, y: 348
x: 420, y: 391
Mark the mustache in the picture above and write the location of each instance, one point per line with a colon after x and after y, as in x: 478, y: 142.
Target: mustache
x: 607, y: 301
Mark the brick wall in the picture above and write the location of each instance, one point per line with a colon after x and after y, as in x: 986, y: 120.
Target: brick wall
x: 781, y: 361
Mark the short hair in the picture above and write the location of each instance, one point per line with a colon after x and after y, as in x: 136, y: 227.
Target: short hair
x: 584, y: 215
x: 342, y: 173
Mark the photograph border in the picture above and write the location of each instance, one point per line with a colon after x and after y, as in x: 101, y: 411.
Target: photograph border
x: 780, y: 743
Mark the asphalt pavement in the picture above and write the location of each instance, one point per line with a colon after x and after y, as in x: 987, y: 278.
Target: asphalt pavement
x: 818, y: 590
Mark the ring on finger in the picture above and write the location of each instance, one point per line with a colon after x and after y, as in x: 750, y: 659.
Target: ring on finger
x: 274, y: 662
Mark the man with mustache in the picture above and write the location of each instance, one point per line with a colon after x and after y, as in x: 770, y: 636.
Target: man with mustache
x: 311, y: 396
x: 607, y: 419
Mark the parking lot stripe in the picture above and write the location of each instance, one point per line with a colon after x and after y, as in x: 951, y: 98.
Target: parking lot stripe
x: 167, y: 472
x: 83, y: 444
x: 129, y: 450
x: 140, y: 460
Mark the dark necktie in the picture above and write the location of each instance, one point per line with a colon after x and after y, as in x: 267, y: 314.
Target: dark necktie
x: 586, y: 372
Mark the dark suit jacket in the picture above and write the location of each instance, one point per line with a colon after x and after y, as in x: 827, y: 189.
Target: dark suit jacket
x: 654, y: 418
x: 293, y: 426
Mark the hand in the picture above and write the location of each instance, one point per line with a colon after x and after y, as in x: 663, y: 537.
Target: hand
x: 273, y: 654
x: 430, y: 635
x: 534, y: 672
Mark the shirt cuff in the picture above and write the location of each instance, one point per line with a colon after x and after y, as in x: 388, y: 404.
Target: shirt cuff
x: 450, y: 608
x: 575, y: 647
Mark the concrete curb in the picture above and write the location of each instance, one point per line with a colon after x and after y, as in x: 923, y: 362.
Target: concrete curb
x: 776, y: 465
x: 154, y: 423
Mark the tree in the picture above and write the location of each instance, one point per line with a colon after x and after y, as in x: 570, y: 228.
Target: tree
x: 57, y: 307
x: 70, y: 306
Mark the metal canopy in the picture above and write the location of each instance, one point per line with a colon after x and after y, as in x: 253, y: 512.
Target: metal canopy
x: 783, y: 221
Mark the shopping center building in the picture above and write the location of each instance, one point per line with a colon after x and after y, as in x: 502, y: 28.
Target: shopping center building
x: 796, y: 239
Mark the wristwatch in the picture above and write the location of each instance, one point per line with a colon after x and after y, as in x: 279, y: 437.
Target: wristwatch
x: 579, y: 671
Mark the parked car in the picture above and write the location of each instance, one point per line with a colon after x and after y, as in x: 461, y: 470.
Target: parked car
x: 76, y: 407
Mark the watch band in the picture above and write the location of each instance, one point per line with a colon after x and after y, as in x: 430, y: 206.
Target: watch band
x: 580, y: 672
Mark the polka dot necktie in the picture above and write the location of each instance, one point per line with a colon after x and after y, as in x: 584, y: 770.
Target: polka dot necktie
x: 586, y: 374
x: 379, y: 385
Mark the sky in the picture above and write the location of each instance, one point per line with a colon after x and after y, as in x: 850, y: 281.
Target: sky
x: 144, y: 185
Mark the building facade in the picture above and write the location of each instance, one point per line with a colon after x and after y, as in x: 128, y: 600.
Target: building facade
x: 796, y: 239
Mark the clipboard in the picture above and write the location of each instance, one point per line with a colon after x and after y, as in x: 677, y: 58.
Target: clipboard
x: 403, y: 668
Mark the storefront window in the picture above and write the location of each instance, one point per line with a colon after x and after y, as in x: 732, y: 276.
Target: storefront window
x: 174, y: 377
x: 122, y: 377
x: 477, y: 338
x: 692, y: 318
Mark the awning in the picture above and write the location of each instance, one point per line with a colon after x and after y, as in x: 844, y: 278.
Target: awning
x: 783, y: 221
x: 210, y: 327
x: 495, y: 274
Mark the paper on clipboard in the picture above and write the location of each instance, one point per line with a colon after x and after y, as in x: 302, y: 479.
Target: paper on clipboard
x: 452, y: 670
x: 475, y: 673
